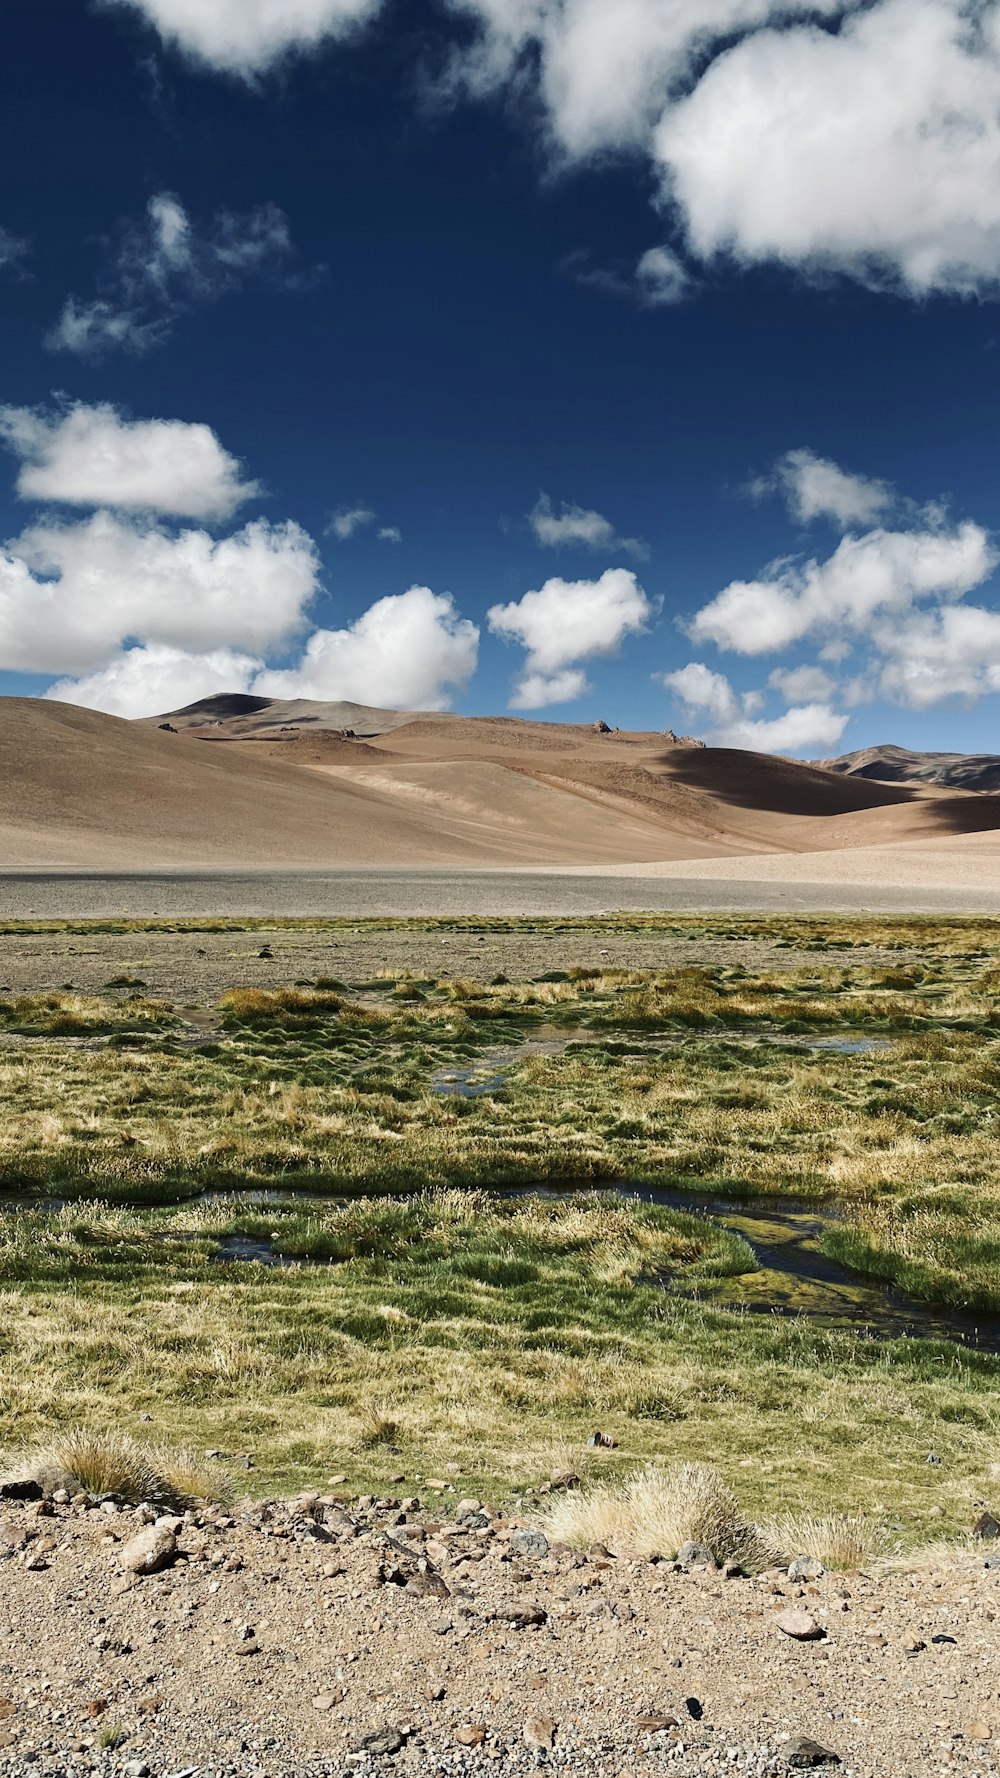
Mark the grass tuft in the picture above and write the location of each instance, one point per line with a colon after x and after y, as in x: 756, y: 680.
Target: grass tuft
x: 845, y: 1542
x: 654, y: 1511
x: 111, y: 1463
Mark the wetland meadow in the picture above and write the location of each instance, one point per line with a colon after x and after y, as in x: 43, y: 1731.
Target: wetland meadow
x: 404, y: 1194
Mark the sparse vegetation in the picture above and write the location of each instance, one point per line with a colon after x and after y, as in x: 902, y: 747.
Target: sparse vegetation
x: 421, y: 1313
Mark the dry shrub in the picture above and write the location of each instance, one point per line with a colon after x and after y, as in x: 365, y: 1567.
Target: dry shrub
x: 377, y: 1425
x: 843, y: 1541
x: 653, y: 1511
x: 190, y: 1479
x: 101, y: 1463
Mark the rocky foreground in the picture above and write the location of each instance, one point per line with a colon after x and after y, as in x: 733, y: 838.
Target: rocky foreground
x: 368, y: 1637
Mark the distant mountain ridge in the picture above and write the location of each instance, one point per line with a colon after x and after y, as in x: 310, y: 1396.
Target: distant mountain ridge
x: 898, y: 765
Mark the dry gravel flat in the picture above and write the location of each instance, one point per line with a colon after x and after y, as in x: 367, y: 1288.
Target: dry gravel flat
x: 338, y: 1636
x: 60, y: 895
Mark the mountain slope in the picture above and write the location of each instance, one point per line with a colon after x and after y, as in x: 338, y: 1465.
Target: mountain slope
x: 897, y: 765
x: 83, y: 790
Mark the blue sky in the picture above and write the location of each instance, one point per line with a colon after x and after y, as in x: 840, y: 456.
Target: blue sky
x: 620, y: 358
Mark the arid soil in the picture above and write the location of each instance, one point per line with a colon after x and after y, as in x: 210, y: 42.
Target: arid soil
x: 425, y: 1634
x: 88, y: 791
x: 197, y: 967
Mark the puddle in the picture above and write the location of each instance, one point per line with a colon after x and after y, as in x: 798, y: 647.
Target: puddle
x: 796, y: 1278
x: 474, y: 1080
x: 245, y: 1250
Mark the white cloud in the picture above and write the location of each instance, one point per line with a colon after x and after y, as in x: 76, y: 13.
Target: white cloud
x: 72, y: 594
x: 816, y: 488
x: 408, y: 651
x: 873, y: 150
x: 566, y: 622
x: 802, y: 685
x: 390, y: 534
x: 153, y: 678
x: 13, y: 251
x: 661, y: 279
x: 93, y: 456
x: 866, y: 577
x: 577, y: 525
x: 935, y: 656
x: 348, y: 519
x: 245, y: 37
x: 163, y: 266
x: 605, y: 71
x: 805, y: 728
x: 708, y: 693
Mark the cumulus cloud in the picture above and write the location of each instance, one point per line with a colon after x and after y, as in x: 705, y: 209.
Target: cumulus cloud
x: 866, y: 577
x: 152, y: 678
x: 802, y: 684
x: 578, y: 525
x: 873, y: 150
x: 409, y: 651
x: 814, y: 487
x: 804, y: 728
x: 604, y: 72
x: 870, y: 149
x: 162, y: 267
x: 563, y: 623
x: 245, y: 37
x: 938, y: 655
x: 390, y: 534
x: 73, y: 594
x: 348, y: 519
x: 94, y: 456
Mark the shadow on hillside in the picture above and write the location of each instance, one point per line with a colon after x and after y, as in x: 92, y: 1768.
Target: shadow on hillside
x: 786, y: 787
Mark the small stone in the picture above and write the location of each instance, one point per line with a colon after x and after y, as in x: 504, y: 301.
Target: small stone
x: 533, y: 1545
x: 20, y: 1491
x: 150, y: 1550
x: 472, y: 1734
x: 465, y: 1507
x: 425, y: 1585
x: 7, y: 1708
x: 520, y: 1614
x: 914, y: 1645
x: 695, y: 1555
x: 978, y: 1731
x: 380, y: 1742
x: 802, y: 1754
x: 327, y: 1700
x: 806, y: 1568
x: 539, y: 1733
x: 800, y: 1625
x: 654, y: 1723
x: 436, y: 1483
x: 434, y: 1693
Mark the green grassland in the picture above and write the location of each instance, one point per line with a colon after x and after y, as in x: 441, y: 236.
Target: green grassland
x: 420, y: 1318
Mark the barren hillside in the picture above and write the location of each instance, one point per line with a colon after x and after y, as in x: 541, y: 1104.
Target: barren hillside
x: 250, y: 782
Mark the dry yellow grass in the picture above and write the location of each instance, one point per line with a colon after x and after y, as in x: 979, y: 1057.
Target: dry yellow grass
x: 654, y: 1512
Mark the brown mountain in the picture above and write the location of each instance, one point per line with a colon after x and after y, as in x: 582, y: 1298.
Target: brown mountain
x: 897, y: 765
x: 250, y: 782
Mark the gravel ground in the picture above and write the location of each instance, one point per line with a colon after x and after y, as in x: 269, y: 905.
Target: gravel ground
x: 196, y: 967
x: 339, y: 1637
x: 59, y: 895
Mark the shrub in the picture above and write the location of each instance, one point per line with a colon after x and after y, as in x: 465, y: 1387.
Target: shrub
x: 653, y: 1511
